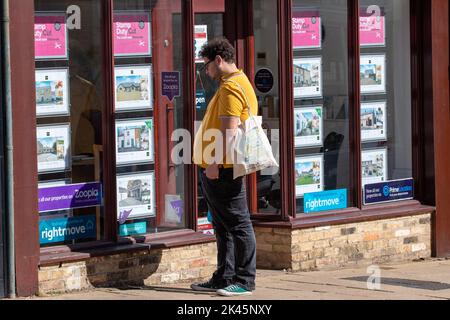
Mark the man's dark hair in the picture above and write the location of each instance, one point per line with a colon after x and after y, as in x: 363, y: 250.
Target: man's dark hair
x: 218, y: 47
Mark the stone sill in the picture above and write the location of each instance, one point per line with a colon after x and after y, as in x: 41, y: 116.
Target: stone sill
x: 351, y: 215
x: 82, y: 252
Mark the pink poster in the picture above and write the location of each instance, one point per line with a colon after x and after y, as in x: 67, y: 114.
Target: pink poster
x: 306, y: 30
x: 132, y: 34
x: 372, y: 29
x: 50, y: 36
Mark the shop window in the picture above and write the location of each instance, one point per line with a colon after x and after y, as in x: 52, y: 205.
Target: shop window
x: 266, y: 80
x: 148, y: 110
x: 209, y: 24
x: 70, y: 105
x: 385, y: 76
x: 321, y: 105
x: 73, y: 100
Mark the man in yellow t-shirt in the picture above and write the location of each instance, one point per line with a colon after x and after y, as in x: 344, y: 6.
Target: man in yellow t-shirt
x: 226, y: 197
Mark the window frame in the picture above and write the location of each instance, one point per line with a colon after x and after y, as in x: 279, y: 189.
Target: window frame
x: 287, y: 150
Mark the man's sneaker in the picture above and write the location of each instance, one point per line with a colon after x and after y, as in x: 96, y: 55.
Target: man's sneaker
x: 233, y: 290
x: 208, y: 286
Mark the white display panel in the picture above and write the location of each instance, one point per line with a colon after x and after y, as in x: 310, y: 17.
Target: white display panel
x: 135, y: 196
x: 53, y: 148
x: 309, y: 175
x: 373, y: 121
x: 307, y: 77
x: 134, y: 141
x: 133, y: 88
x: 52, y: 92
x: 308, y: 126
x: 374, y: 166
x: 373, y: 74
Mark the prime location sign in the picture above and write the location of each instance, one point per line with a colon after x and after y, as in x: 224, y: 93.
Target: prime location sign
x: 389, y: 191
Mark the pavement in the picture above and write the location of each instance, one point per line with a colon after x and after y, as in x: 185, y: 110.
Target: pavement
x: 422, y: 280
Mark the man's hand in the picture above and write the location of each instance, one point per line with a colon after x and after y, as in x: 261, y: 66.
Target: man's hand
x: 212, y: 172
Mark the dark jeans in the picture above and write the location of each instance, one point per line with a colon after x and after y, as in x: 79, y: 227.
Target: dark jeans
x: 236, y: 243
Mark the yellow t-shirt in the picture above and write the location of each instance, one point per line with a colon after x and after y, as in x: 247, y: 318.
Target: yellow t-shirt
x: 229, y: 100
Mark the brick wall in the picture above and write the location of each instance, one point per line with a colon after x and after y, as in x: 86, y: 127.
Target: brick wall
x: 154, y: 267
x: 330, y: 247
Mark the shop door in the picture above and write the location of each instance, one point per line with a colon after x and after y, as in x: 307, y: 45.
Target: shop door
x: 208, y: 24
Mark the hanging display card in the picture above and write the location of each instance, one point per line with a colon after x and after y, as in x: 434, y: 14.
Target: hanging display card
x: 133, y: 87
x: 374, y: 166
x: 50, y: 36
x: 53, y: 146
x: 308, y: 77
x: 132, y: 34
x: 306, y: 30
x: 373, y: 121
x: 309, y: 175
x: 134, y: 141
x: 52, y: 92
x: 308, y: 126
x: 373, y: 74
x: 372, y: 29
x: 135, y: 196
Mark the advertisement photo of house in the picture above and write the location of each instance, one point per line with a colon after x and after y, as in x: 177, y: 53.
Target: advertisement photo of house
x: 50, y: 149
x: 131, y: 88
x: 307, y: 77
x: 133, y: 139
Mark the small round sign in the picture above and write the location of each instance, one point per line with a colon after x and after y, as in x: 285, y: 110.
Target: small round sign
x: 264, y: 80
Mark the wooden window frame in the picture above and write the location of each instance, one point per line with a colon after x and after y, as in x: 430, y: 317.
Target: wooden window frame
x: 287, y: 155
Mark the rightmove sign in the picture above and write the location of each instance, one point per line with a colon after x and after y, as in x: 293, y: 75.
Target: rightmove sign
x: 389, y: 191
x: 325, y: 201
x: 65, y: 229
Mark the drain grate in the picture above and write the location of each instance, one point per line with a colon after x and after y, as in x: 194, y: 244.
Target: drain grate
x: 408, y: 283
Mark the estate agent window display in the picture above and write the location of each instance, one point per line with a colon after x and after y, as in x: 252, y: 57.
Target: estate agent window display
x: 72, y: 100
x: 323, y: 178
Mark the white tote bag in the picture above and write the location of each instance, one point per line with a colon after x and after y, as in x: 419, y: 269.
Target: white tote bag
x: 252, y: 148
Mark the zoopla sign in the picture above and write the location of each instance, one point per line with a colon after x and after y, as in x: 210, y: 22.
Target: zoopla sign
x: 70, y: 196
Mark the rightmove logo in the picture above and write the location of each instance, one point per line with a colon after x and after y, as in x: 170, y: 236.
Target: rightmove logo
x: 325, y: 201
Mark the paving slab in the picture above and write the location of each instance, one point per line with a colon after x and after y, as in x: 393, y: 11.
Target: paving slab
x: 422, y: 280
